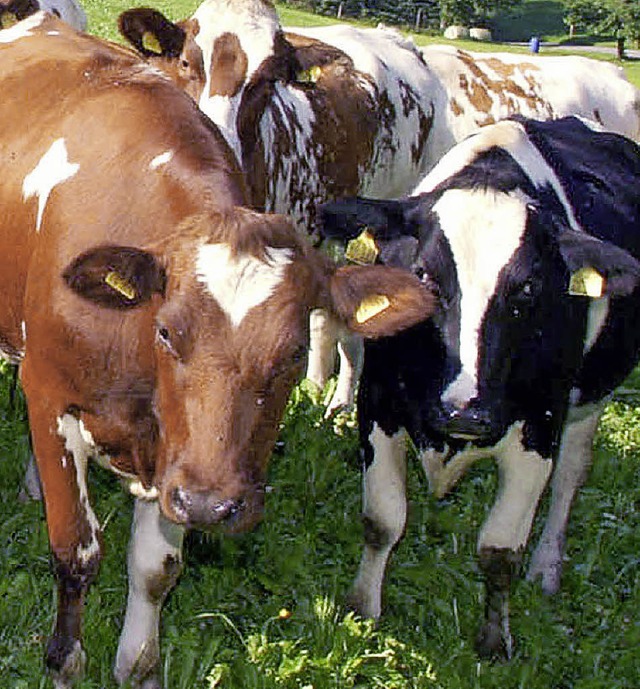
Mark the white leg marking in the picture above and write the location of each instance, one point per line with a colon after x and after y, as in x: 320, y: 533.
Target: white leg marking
x: 154, y: 561
x: 351, y: 351
x: 239, y: 283
x: 52, y: 169
x: 79, y: 443
x: 385, y: 513
x: 322, y: 344
x: 523, y: 477
x: 573, y: 465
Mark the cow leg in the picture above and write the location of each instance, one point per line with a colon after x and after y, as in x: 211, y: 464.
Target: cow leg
x: 384, y: 516
x: 154, y: 562
x: 74, y: 534
x: 523, y: 476
x: 574, y: 461
x: 351, y: 359
x: 322, y: 346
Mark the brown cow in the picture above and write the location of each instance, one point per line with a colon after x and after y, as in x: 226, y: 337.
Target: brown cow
x: 159, y: 326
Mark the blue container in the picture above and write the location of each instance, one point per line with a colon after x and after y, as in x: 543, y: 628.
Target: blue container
x: 534, y: 44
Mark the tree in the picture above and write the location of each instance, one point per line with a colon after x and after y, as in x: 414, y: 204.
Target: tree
x: 620, y: 18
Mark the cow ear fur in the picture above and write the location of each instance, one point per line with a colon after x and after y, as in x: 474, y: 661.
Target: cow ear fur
x: 346, y: 219
x: 378, y: 301
x: 620, y: 270
x: 151, y: 33
x: 115, y: 276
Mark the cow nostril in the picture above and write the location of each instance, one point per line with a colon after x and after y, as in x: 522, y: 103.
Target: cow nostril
x: 226, y: 509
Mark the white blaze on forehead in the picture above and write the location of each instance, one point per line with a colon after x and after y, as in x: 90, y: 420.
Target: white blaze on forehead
x: 239, y: 283
x: 512, y: 138
x: 22, y: 28
x: 52, y: 169
x: 484, y: 229
x: 161, y: 159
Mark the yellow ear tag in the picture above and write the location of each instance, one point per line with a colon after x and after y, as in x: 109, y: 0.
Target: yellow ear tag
x: 151, y: 43
x: 8, y: 19
x: 586, y: 282
x: 310, y: 75
x: 372, y: 306
x: 362, y: 249
x: 120, y: 285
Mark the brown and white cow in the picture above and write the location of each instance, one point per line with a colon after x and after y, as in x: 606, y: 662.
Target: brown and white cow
x: 318, y: 113
x: 159, y: 325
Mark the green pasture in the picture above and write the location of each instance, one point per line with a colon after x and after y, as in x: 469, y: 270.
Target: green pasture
x: 264, y: 610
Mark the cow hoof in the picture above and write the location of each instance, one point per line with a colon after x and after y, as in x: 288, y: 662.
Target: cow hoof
x: 138, y: 667
x: 66, y: 667
x: 490, y: 643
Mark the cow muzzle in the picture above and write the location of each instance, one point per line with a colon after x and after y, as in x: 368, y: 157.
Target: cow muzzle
x: 472, y: 423
x: 208, y: 510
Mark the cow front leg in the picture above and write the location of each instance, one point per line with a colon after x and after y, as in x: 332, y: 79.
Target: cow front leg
x: 384, y: 517
x: 523, y: 476
x: 74, y: 534
x: 322, y: 347
x: 574, y: 461
x: 154, y: 562
x: 351, y: 359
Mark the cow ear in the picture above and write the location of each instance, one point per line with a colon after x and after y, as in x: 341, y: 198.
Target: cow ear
x: 348, y: 218
x: 597, y: 267
x: 151, y: 33
x: 115, y: 276
x: 378, y: 301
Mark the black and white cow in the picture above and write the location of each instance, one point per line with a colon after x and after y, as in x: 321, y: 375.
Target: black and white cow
x: 529, y: 232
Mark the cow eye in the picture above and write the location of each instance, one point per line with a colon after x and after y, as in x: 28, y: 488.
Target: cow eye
x: 185, y: 64
x: 163, y: 335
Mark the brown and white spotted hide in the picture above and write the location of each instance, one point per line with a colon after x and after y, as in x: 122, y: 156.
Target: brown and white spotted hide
x: 158, y: 323
x: 482, y: 88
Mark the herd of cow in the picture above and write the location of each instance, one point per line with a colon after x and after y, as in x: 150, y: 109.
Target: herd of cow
x: 161, y: 210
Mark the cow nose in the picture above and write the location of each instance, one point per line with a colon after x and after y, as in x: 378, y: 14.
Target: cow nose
x: 472, y: 423
x: 203, y: 509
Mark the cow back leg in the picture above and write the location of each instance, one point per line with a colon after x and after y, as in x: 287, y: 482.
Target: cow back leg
x: 74, y: 532
x: 384, y: 517
x: 154, y: 562
x: 523, y: 476
x: 574, y: 461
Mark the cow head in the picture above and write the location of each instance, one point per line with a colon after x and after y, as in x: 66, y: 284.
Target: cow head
x: 229, y: 297
x: 512, y: 321
x: 215, y: 54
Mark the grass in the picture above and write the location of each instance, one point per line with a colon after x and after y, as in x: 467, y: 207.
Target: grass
x: 264, y: 610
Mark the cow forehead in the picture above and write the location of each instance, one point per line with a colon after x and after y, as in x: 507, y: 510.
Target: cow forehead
x: 253, y: 22
x: 241, y: 282
x: 484, y: 229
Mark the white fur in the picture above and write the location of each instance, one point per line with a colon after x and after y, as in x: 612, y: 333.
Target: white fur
x: 52, y: 169
x: 240, y: 283
x: 385, y: 504
x: 484, y: 229
x: 161, y: 159
x: 21, y: 29
x: 79, y: 443
x: 153, y: 541
x: 523, y: 478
